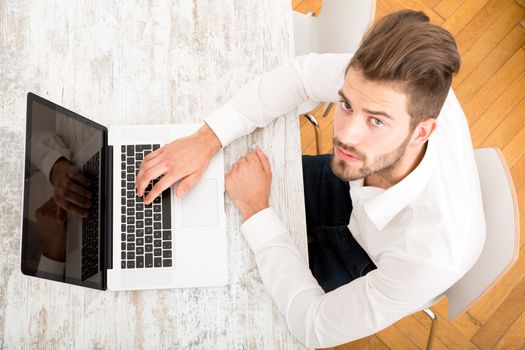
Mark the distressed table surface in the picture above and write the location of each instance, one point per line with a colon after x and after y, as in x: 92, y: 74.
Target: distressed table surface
x: 138, y: 62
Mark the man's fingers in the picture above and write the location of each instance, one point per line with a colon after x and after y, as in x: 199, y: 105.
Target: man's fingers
x: 76, y: 199
x: 78, y: 189
x: 187, y: 183
x: 159, y: 187
x: 149, y: 175
x: 154, y: 154
x: 78, y: 177
x: 264, y: 160
x: 70, y: 207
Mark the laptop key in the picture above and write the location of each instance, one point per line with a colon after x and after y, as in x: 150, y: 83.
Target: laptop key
x: 157, y: 252
x: 166, y: 254
x: 166, y: 209
x: 166, y: 262
x: 140, y: 261
x: 130, y: 151
x: 166, y: 245
x: 148, y: 248
x: 148, y: 260
x: 131, y: 265
x: 148, y: 239
x: 166, y: 235
x: 158, y: 262
x: 122, y: 264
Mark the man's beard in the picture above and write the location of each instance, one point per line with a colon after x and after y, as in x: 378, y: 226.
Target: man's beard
x: 383, y: 164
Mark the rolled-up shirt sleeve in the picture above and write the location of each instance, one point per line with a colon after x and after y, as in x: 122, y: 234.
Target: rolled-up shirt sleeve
x: 46, y: 149
x: 314, y: 77
x: 360, y: 308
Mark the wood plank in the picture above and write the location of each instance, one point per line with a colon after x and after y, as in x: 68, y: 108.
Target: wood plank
x: 446, y: 8
x: 376, y: 344
x: 467, y: 10
x: 498, y: 84
x: 395, y: 339
x: 359, y: 344
x: 305, y: 6
x: 418, y: 332
x: 467, y: 324
x: 509, y: 127
x: 486, y: 306
x: 489, y: 39
x: 514, y: 338
x: 508, y: 312
x: 430, y: 3
x: 497, y: 111
x: 480, y: 23
x: 497, y: 57
x: 447, y: 334
x: 420, y: 6
x: 516, y: 148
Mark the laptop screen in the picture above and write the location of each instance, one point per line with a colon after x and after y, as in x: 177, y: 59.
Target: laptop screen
x: 63, y: 212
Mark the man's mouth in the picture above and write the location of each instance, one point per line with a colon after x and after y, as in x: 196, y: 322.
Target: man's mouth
x: 346, y: 156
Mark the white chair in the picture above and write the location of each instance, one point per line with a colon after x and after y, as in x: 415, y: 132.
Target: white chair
x: 338, y: 29
x: 502, y: 237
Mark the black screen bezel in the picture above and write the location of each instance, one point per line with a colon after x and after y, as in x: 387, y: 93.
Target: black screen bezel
x: 105, y: 195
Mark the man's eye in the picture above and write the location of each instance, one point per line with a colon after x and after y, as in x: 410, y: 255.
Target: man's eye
x: 377, y: 122
x: 346, y: 106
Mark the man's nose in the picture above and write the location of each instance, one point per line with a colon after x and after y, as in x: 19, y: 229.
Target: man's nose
x: 351, y: 130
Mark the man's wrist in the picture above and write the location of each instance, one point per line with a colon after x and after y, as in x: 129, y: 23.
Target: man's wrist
x: 206, y: 132
x: 249, y: 212
x: 55, y: 169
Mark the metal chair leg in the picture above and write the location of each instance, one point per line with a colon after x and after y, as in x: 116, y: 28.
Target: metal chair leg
x: 317, y: 130
x: 433, y: 318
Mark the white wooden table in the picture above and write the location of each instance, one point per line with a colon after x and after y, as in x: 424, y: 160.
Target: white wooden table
x: 131, y: 62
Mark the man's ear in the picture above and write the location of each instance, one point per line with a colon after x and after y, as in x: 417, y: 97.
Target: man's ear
x: 423, y: 131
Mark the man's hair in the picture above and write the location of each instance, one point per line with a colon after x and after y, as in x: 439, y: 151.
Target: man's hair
x: 404, y: 49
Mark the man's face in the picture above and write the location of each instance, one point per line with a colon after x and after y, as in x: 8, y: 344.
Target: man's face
x: 371, y: 128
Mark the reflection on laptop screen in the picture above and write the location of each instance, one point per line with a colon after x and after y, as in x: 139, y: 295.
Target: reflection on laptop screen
x: 63, y: 219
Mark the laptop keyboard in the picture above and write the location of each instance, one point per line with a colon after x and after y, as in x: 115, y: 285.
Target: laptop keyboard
x: 146, y: 240
x: 90, y: 225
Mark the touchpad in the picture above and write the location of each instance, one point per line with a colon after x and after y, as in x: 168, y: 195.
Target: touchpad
x: 199, y: 205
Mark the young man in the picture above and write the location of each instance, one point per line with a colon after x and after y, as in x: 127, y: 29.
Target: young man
x: 394, y: 216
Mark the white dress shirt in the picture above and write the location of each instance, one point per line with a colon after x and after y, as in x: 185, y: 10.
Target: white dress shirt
x: 423, y: 234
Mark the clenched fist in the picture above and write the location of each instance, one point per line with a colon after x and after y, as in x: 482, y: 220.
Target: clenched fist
x: 248, y: 183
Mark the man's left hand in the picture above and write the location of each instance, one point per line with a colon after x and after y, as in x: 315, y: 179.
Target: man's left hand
x: 248, y: 183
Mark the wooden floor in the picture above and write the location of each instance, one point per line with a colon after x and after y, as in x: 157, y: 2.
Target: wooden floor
x: 491, y: 88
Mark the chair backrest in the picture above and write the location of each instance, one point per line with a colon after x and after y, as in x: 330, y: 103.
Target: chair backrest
x: 502, y: 236
x: 338, y: 29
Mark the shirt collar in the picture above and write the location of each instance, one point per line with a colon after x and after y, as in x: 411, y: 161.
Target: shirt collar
x: 382, y: 205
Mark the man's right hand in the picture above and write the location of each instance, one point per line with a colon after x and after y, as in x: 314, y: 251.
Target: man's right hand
x: 71, y: 189
x: 183, y: 160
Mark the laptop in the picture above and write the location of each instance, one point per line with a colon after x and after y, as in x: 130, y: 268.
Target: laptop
x: 121, y: 244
